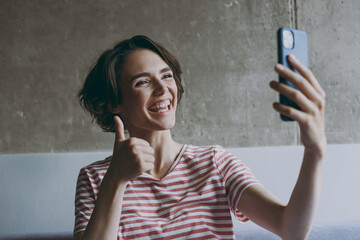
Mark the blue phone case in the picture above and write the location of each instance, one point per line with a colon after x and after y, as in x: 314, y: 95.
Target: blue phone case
x: 300, y: 50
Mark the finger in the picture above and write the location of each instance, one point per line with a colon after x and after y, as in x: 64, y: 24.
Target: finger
x: 306, y: 73
x: 149, y: 150
x: 139, y: 149
x: 304, y: 103
x: 146, y: 166
x: 149, y: 158
x: 290, y: 112
x: 138, y: 141
x: 119, y: 129
x: 299, y: 81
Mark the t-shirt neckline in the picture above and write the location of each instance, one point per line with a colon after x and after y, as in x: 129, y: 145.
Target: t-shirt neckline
x: 175, y: 163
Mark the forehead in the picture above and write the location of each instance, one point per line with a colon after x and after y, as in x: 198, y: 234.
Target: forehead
x: 142, y: 60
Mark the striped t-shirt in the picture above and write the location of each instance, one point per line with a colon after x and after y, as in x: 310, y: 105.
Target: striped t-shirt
x: 192, y: 201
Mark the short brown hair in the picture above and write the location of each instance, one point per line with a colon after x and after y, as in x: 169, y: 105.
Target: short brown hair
x: 101, y: 90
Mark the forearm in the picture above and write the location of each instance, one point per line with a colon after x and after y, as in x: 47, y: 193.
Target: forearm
x: 299, y: 213
x: 104, y: 221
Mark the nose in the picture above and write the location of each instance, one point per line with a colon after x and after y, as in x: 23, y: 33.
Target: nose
x: 159, y: 87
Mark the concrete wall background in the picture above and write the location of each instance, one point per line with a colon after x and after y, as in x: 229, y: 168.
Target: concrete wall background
x: 227, y: 50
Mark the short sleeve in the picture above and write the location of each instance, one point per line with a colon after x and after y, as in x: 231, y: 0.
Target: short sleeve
x: 84, y: 201
x: 237, y: 177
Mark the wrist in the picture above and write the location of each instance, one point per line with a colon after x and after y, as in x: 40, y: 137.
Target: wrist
x: 316, y: 148
x: 111, y: 180
x: 316, y: 151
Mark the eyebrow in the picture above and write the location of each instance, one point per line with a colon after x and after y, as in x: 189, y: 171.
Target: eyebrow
x: 145, y: 74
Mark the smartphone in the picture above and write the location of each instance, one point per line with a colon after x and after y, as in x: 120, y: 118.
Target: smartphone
x: 291, y: 41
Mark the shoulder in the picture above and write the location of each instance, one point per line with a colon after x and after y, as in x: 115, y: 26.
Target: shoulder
x: 98, y: 167
x: 213, y: 150
x: 198, y: 149
x: 92, y: 175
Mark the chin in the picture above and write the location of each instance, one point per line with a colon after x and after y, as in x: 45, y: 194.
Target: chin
x: 167, y: 126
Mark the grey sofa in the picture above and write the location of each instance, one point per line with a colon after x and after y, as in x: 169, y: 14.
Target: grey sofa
x: 329, y: 231
x: 37, y: 191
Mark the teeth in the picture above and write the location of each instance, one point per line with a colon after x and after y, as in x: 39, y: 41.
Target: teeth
x: 161, y: 105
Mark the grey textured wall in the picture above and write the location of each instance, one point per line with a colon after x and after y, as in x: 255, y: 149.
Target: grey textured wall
x: 227, y: 50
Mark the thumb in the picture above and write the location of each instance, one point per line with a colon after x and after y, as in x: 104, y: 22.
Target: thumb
x: 119, y: 129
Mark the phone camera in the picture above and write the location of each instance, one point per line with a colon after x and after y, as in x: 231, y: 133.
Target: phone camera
x: 288, y: 39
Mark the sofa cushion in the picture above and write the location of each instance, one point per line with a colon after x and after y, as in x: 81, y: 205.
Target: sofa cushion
x: 39, y: 236
x: 347, y: 230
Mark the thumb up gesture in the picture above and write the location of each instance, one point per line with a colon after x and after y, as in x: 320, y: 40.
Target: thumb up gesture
x: 131, y: 157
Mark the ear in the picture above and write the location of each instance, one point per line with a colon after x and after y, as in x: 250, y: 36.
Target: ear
x: 114, y: 110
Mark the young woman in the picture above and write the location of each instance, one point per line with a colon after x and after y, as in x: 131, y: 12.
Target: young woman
x: 155, y: 188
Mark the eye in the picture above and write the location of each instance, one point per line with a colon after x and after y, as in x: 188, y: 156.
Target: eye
x: 141, y: 83
x: 167, y: 75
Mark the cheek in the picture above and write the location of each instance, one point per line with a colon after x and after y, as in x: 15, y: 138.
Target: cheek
x: 138, y: 99
x: 174, y: 90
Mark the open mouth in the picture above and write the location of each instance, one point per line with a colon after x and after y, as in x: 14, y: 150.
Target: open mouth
x: 160, y: 107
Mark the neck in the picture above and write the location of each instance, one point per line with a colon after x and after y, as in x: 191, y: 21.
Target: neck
x: 165, y: 148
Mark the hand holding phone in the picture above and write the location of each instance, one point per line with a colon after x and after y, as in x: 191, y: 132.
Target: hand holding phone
x: 309, y: 95
x: 291, y: 41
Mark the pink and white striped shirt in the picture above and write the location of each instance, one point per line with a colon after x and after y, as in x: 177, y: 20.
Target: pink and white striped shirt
x: 192, y: 201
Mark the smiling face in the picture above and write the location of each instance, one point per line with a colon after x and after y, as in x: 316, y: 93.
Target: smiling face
x: 149, y: 93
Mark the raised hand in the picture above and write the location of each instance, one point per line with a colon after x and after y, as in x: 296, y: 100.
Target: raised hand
x: 131, y: 157
x: 310, y: 98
